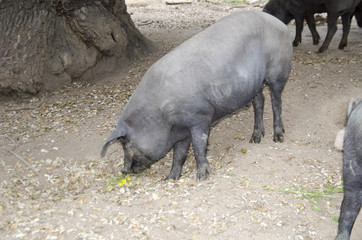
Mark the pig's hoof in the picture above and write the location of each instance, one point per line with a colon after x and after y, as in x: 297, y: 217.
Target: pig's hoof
x: 315, y: 41
x: 256, y: 137
x: 278, y: 137
x: 278, y: 134
x: 203, y: 172
x: 171, y: 177
x: 321, y: 49
x: 342, y: 46
x: 125, y: 171
x: 296, y: 43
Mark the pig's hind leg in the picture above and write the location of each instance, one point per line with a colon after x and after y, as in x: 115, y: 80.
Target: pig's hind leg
x: 352, y: 199
x: 350, y: 207
x: 258, y: 105
x: 180, y: 151
x: 276, y: 89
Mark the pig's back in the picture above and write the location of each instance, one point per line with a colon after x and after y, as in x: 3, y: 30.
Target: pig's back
x: 224, y: 64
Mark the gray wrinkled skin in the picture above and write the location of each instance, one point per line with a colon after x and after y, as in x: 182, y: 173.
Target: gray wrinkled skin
x: 352, y: 172
x: 214, y: 73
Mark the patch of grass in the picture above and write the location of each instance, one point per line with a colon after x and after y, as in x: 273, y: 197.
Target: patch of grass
x: 150, y: 187
x: 315, y: 195
x: 335, y: 218
x: 330, y: 189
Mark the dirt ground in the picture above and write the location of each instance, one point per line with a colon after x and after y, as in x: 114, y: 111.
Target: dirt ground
x: 289, y: 190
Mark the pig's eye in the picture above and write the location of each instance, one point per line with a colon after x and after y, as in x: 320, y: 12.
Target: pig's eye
x: 125, y: 144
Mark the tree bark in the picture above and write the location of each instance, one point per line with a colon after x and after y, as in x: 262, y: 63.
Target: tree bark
x: 47, y: 44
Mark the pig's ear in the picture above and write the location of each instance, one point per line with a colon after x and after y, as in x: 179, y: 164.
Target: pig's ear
x: 118, y: 133
x: 352, y: 102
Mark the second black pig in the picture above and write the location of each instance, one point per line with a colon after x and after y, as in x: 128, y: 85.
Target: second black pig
x: 286, y: 10
x: 352, y: 171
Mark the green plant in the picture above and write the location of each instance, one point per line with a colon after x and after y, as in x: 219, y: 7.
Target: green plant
x: 335, y: 218
x: 315, y: 195
x: 117, y: 181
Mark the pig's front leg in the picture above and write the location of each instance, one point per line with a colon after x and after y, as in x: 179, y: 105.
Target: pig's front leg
x: 180, y: 151
x: 332, y: 29
x: 200, y: 135
x: 312, y: 27
x: 299, y: 19
x: 346, y: 21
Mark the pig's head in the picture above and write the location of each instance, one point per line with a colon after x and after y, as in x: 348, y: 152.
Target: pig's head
x: 140, y: 149
x: 279, y: 9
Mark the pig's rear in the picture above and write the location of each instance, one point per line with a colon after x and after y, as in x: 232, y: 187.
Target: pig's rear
x: 352, y: 173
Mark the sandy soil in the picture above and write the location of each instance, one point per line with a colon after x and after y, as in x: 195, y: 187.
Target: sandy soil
x: 289, y: 190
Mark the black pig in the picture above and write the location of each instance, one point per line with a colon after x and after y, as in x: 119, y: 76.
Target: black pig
x: 214, y: 73
x: 286, y: 10
x: 358, y: 14
x: 352, y: 171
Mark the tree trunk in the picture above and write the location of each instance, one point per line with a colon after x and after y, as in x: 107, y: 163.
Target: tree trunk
x: 47, y: 44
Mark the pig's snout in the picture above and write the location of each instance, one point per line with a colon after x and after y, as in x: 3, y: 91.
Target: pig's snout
x: 136, y: 167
